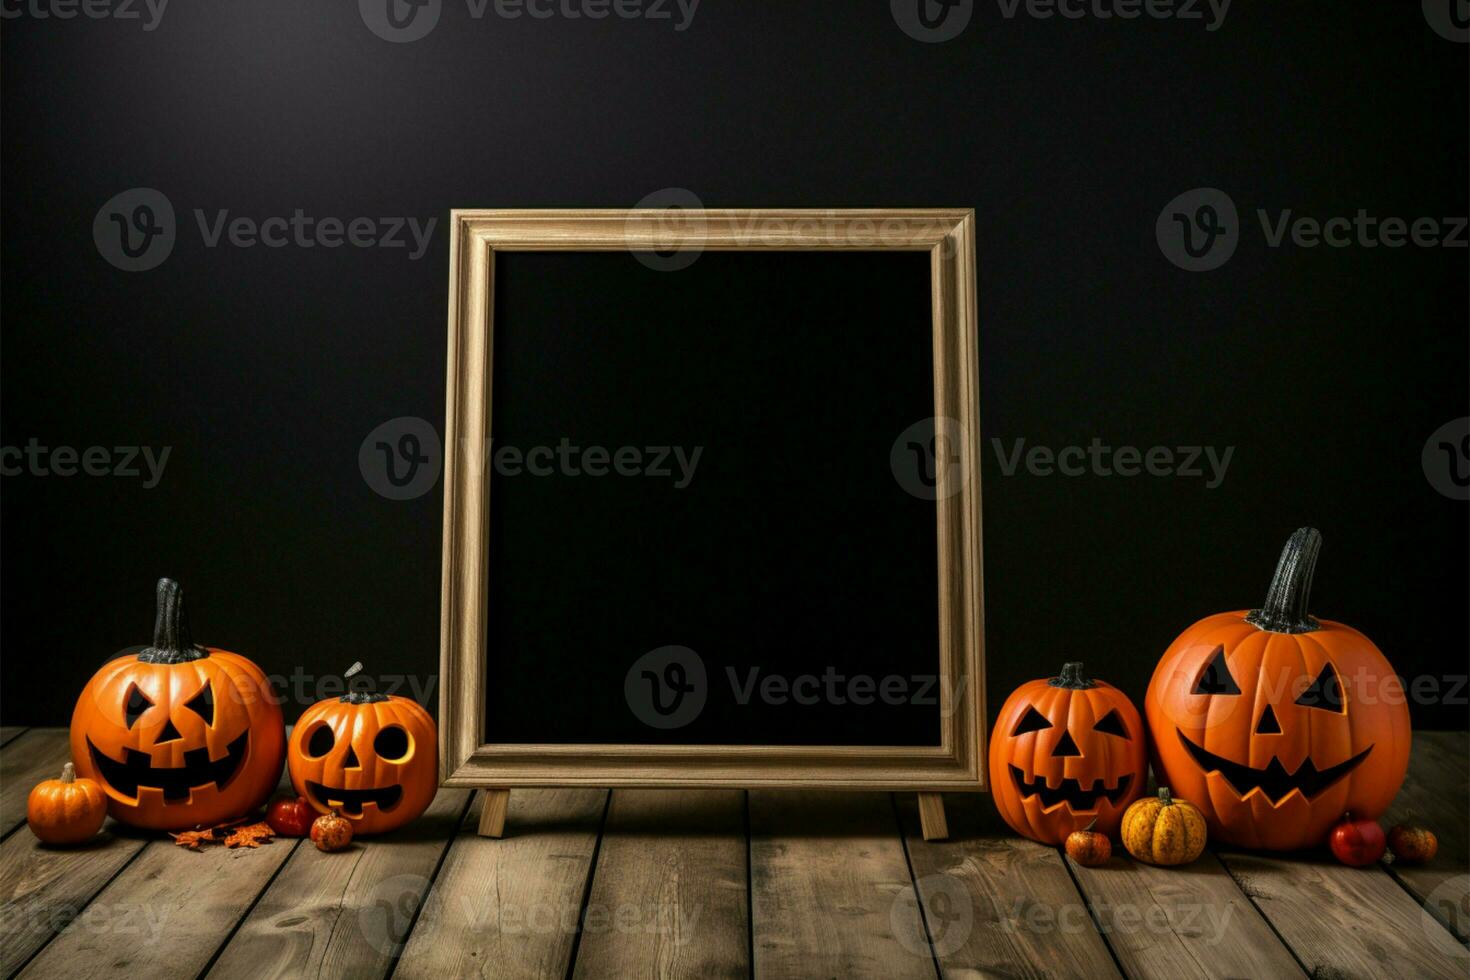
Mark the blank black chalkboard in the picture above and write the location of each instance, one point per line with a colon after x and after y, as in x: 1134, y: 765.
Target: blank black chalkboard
x: 699, y: 459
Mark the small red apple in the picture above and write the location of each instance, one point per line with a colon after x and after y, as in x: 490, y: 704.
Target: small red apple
x: 1357, y: 842
x: 290, y: 818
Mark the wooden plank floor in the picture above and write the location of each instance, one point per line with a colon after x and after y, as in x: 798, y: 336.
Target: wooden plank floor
x: 691, y: 883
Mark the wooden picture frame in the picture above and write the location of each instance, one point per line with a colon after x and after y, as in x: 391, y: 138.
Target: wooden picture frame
x: 957, y: 763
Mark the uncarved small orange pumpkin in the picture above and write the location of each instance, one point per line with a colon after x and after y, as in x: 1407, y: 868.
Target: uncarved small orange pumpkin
x: 373, y: 758
x: 1163, y: 830
x: 1065, y: 752
x: 66, y: 810
x: 1276, y: 723
x: 179, y: 735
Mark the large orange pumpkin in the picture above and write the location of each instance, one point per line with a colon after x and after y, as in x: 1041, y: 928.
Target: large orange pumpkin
x: 371, y: 757
x: 1066, y: 752
x: 1275, y: 723
x: 176, y: 734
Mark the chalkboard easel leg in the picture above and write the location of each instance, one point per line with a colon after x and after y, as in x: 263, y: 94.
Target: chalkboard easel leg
x: 493, y: 804
x: 931, y: 816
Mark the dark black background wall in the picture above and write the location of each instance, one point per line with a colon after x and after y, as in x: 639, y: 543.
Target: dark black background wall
x: 263, y: 369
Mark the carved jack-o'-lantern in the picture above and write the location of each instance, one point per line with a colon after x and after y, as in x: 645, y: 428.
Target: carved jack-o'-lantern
x: 1064, y: 753
x: 372, y: 758
x: 176, y: 734
x: 1275, y: 723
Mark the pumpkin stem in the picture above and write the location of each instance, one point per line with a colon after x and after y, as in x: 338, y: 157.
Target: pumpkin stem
x: 1285, y: 608
x: 172, y: 643
x: 363, y: 697
x: 1072, y: 678
x: 1090, y: 824
x: 68, y: 773
x: 360, y: 697
x: 1165, y: 797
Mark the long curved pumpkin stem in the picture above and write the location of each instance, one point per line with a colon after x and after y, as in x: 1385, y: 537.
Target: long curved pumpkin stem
x: 1285, y: 608
x: 172, y: 643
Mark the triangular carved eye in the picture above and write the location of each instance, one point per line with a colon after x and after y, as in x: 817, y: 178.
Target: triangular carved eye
x: 1031, y: 721
x: 202, y: 705
x: 1111, y: 724
x: 136, y: 704
x: 1325, y: 692
x: 1216, y: 678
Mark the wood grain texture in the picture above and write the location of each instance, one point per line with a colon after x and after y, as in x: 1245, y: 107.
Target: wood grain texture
x: 997, y: 905
x: 167, y: 911
x: 37, y: 754
x: 494, y: 803
x: 948, y: 235
x: 182, y: 903
x: 669, y: 898
x: 9, y: 732
x: 510, y: 908
x: 345, y: 914
x: 831, y: 893
x: 1347, y: 922
x: 931, y: 816
x: 43, y: 888
x: 1187, y: 921
x: 1437, y: 795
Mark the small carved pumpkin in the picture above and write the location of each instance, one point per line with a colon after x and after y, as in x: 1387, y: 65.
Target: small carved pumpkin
x: 1065, y: 752
x: 1277, y: 723
x: 371, y: 757
x: 66, y: 810
x: 1163, y: 830
x: 178, y: 735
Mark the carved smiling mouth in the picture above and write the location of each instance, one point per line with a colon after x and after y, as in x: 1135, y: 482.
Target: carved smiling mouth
x: 197, y: 771
x: 1274, y: 781
x: 1070, y: 791
x: 350, y: 801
